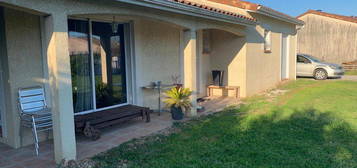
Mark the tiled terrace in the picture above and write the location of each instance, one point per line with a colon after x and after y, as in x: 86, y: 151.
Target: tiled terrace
x: 111, y: 137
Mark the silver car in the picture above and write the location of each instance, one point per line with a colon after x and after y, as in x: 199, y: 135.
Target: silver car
x: 308, y: 66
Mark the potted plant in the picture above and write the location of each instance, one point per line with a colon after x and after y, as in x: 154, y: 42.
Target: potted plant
x: 176, y: 81
x: 178, y: 100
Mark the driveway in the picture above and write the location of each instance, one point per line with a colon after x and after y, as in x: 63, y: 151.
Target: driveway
x: 349, y: 77
x: 345, y: 77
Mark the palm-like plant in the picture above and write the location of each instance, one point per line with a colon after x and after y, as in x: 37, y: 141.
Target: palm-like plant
x: 178, y: 97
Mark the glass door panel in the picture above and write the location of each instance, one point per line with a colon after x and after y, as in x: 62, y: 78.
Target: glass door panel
x: 80, y: 65
x: 2, y: 54
x: 109, y: 64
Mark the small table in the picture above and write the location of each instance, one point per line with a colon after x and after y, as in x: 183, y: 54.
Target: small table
x: 159, y: 86
x: 235, y: 88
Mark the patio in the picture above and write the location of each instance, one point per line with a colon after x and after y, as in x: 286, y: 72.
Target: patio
x: 111, y: 137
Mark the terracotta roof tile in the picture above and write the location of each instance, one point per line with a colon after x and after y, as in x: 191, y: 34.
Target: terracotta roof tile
x: 330, y: 15
x: 213, y: 9
x: 238, y: 3
x: 249, y: 6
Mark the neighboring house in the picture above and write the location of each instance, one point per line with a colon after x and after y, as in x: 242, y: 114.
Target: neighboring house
x: 330, y: 37
x: 130, y: 44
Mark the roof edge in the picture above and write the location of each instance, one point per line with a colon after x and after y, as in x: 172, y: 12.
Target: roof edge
x: 278, y: 15
x: 330, y: 15
x: 194, y: 9
x: 260, y: 9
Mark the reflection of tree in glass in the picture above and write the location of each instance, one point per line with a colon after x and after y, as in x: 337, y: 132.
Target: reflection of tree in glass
x: 108, y: 96
x: 81, y: 81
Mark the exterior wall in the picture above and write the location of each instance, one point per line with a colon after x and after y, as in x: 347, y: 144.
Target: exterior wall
x: 204, y: 76
x: 293, y: 55
x: 157, y: 50
x: 25, y: 65
x: 329, y: 39
x: 157, y: 55
x: 24, y: 39
x: 264, y: 69
x: 229, y: 54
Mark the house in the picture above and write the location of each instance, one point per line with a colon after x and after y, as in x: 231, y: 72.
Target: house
x: 330, y: 37
x: 74, y: 47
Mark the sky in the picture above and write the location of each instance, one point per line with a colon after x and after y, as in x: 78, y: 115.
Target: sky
x: 297, y: 7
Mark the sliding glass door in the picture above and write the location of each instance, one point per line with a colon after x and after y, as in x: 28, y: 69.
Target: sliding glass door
x: 3, y: 54
x: 97, y: 54
x: 109, y: 64
x: 81, y: 64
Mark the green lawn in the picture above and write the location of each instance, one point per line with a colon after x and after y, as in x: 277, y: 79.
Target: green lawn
x: 351, y: 73
x: 314, y: 125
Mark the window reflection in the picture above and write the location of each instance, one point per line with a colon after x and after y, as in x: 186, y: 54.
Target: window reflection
x: 109, y: 65
x: 80, y: 65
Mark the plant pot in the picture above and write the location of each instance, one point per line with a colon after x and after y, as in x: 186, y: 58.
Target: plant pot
x: 217, y: 77
x: 178, y: 86
x: 176, y: 113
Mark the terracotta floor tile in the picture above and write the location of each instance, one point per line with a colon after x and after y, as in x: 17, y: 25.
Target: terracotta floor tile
x: 111, y: 137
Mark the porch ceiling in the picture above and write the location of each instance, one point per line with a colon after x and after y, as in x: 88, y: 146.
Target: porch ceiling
x: 28, y: 10
x: 194, y: 9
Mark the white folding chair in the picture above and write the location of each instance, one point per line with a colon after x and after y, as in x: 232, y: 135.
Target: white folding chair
x: 34, y: 112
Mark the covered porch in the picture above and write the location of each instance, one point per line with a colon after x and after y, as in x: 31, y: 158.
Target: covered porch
x: 85, y: 66
x: 225, y: 52
x: 112, y: 137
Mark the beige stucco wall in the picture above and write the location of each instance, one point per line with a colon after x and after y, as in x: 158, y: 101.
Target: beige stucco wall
x: 293, y: 55
x: 25, y: 66
x: 264, y: 69
x: 157, y: 56
x: 329, y: 39
x: 228, y: 54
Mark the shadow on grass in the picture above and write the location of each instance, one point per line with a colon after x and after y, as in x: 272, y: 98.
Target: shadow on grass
x: 304, y: 138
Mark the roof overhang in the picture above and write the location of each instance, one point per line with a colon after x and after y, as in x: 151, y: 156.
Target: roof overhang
x: 277, y: 15
x: 191, y: 10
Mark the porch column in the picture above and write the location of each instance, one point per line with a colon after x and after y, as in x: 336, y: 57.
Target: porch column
x: 190, y: 65
x: 56, y: 38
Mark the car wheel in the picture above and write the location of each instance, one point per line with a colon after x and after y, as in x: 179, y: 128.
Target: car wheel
x: 320, y: 74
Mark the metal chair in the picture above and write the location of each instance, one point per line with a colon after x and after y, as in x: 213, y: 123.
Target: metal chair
x: 34, y: 112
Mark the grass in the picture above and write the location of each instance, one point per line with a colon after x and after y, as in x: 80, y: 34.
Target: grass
x: 313, y: 125
x: 351, y: 73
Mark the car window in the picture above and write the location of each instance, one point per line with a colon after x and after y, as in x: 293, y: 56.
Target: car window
x: 314, y: 59
x: 301, y: 59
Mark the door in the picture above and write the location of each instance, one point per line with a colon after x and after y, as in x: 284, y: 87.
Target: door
x: 109, y: 65
x: 97, y: 54
x: 285, y: 57
x: 304, y: 66
x: 3, y: 54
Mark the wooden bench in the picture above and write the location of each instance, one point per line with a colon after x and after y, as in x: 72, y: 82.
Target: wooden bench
x: 89, y: 124
x: 236, y: 89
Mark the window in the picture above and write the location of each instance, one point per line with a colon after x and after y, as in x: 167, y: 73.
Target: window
x: 98, y: 67
x: 267, y: 41
x: 301, y: 59
x: 206, y: 41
